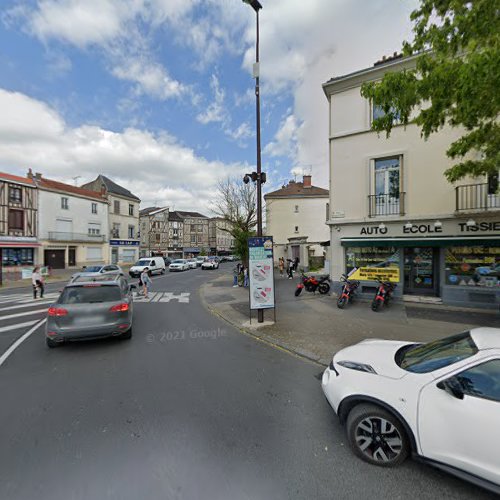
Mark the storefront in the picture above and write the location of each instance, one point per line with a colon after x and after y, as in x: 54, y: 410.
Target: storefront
x: 124, y: 251
x: 17, y: 253
x: 455, y: 260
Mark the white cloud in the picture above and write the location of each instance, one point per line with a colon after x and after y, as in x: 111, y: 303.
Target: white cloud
x: 285, y: 140
x: 154, y: 166
x: 215, y: 111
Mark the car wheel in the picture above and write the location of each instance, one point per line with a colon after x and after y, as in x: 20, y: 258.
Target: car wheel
x: 162, y: 271
x: 377, y: 436
x: 52, y: 343
x: 127, y: 335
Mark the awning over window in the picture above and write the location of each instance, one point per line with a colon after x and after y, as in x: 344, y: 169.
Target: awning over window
x: 421, y: 242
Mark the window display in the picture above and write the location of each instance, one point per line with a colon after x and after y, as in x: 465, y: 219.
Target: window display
x: 17, y: 256
x: 371, y: 257
x: 473, y: 266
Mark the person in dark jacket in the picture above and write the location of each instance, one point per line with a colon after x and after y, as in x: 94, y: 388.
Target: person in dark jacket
x: 296, y: 264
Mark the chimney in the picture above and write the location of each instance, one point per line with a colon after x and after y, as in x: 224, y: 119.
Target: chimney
x: 307, y: 181
x: 29, y: 175
x: 38, y: 176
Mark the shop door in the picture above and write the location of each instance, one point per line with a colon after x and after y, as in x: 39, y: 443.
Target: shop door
x: 421, y: 271
x: 71, y: 256
x: 54, y: 259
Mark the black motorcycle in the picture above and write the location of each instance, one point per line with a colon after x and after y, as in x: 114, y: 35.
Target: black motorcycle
x: 347, y: 294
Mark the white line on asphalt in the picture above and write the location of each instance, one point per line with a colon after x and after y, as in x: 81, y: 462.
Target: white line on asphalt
x: 27, y: 313
x: 19, y: 341
x: 20, y: 306
x: 17, y: 325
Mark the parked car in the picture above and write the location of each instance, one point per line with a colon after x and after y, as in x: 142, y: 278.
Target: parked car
x: 192, y: 263
x: 156, y: 265
x: 200, y: 260
x: 179, y: 265
x: 167, y: 261
x: 100, y: 269
x: 89, y: 308
x: 439, y: 401
x: 210, y: 263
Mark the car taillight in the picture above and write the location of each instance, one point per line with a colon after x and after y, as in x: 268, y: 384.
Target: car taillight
x: 57, y: 311
x: 120, y: 307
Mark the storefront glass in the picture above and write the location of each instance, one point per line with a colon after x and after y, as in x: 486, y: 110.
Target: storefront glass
x: 371, y: 257
x: 473, y: 266
x: 17, y: 256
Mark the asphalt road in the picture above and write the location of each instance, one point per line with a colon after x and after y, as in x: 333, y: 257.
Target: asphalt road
x: 190, y: 408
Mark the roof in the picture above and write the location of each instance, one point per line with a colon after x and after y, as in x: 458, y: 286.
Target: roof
x: 15, y: 178
x: 51, y: 185
x: 151, y: 211
x: 115, y: 188
x: 486, y: 338
x: 174, y: 216
x: 297, y: 189
x: 183, y: 214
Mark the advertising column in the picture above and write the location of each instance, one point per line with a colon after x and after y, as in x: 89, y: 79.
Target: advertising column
x: 261, y: 272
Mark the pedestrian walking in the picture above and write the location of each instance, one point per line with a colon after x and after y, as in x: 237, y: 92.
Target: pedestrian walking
x: 37, y: 282
x: 245, y: 277
x: 281, y: 266
x: 296, y: 264
x: 289, y: 268
x: 236, y: 271
x: 146, y: 281
x: 241, y: 275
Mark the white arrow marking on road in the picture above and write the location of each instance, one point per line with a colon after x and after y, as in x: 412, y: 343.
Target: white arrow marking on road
x: 19, y: 341
x: 17, y: 326
x: 27, y: 313
x: 182, y: 297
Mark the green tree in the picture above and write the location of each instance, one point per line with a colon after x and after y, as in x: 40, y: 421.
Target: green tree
x: 456, y: 81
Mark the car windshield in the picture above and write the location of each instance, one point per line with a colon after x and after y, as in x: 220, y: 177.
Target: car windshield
x: 143, y: 262
x: 425, y: 358
x: 178, y: 261
x: 92, y: 269
x: 88, y: 294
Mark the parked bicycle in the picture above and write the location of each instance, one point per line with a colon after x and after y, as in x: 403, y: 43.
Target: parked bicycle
x: 311, y: 284
x: 348, y: 289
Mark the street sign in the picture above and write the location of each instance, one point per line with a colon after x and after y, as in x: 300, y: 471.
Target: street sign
x: 261, y: 272
x: 375, y: 273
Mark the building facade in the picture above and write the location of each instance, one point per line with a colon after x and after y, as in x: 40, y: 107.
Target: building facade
x: 391, y: 206
x: 195, y: 233
x: 18, y: 226
x: 175, y: 235
x: 153, y: 223
x: 123, y: 220
x: 73, y: 225
x: 220, y: 241
x: 295, y: 218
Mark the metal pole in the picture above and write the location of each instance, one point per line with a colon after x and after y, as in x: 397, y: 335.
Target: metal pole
x: 260, y: 312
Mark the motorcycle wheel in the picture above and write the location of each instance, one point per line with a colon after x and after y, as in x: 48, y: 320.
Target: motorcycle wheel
x: 341, y: 302
x: 298, y: 291
x: 387, y: 299
x: 376, y: 304
x: 323, y: 288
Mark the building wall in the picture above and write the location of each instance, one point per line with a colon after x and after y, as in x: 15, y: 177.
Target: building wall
x: 219, y: 239
x: 78, y: 218
x: 201, y: 236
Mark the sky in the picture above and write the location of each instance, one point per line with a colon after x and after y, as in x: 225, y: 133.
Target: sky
x: 159, y: 95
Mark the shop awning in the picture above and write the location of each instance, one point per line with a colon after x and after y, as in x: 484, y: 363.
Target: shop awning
x: 421, y: 242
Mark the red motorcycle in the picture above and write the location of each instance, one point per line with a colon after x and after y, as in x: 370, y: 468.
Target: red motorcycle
x: 311, y: 284
x: 383, y: 294
x: 347, y: 294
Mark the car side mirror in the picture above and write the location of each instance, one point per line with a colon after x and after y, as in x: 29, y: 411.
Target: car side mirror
x: 451, y: 386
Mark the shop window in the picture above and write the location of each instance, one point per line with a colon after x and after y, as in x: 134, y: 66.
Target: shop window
x: 17, y: 257
x: 473, y: 266
x: 371, y: 257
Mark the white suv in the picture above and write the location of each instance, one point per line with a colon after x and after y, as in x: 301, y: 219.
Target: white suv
x: 439, y: 401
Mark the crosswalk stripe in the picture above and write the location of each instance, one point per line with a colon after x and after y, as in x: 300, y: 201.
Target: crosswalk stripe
x: 17, y: 326
x: 26, y: 313
x: 20, y: 306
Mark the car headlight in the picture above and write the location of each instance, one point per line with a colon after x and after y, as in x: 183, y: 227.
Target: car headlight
x: 360, y: 367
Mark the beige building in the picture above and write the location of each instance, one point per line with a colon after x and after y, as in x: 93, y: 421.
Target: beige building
x: 295, y: 218
x: 195, y: 231
x: 219, y: 239
x: 391, y: 206
x: 154, y: 226
x: 123, y: 220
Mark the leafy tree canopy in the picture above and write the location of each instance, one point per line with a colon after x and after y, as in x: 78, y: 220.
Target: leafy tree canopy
x: 456, y: 81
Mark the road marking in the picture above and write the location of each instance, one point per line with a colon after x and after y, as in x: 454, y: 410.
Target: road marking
x: 20, y: 306
x: 19, y: 341
x: 27, y: 313
x: 155, y: 297
x: 17, y: 326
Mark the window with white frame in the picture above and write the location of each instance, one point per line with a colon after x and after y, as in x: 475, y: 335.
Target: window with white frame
x: 94, y: 208
x: 385, y: 198
x: 131, y: 232
x: 64, y: 203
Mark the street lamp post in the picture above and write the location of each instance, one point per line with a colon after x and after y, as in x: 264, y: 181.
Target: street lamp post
x: 256, y: 6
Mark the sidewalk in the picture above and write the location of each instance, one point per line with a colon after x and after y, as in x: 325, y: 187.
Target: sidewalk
x: 314, y: 327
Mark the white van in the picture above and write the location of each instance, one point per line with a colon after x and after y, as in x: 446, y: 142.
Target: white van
x: 156, y: 265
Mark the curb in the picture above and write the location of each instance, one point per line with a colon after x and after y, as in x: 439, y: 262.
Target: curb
x: 252, y: 334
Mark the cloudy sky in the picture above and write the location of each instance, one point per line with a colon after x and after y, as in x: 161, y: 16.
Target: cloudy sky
x: 158, y: 94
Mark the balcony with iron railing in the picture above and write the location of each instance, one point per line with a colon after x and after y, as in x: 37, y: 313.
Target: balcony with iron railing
x: 85, y: 237
x: 386, y: 204
x: 471, y: 197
